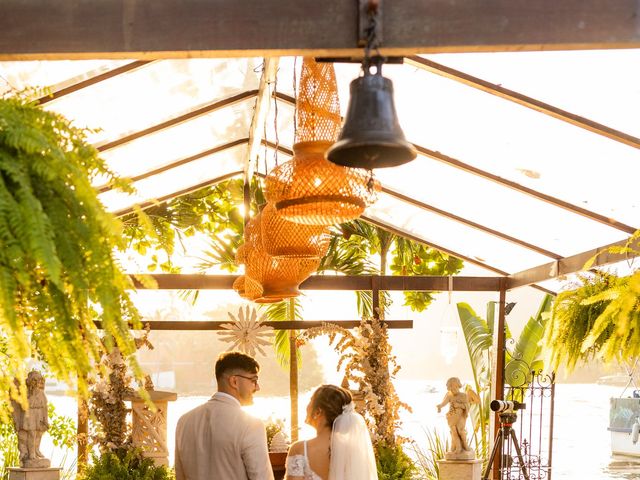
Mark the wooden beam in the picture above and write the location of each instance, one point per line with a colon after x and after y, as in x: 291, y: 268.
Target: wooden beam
x: 185, y: 117
x: 64, y: 89
x: 611, y: 222
x: 569, y: 265
x: 415, y: 238
x: 172, y: 195
x: 179, y: 163
x: 469, y: 223
x: 263, y: 97
x: 287, y: 325
x: 170, y: 281
x: 523, y: 100
x: 150, y: 29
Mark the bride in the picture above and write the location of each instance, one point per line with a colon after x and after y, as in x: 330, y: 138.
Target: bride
x: 342, y: 447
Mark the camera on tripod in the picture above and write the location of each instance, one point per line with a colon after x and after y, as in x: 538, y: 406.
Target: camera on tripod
x: 506, y: 406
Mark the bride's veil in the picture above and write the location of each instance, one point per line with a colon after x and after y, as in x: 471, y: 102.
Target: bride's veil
x: 352, y: 455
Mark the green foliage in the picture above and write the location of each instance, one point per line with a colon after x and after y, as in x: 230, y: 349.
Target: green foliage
x: 599, y: 318
x: 57, y: 270
x: 9, y: 454
x: 281, y: 312
x: 411, y: 258
x: 125, y: 464
x: 393, y: 463
x: 213, y: 210
x: 427, y: 461
x: 272, y: 427
x: 527, y: 355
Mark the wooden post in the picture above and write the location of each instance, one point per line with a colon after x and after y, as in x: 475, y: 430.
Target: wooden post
x: 82, y: 433
x: 498, y: 372
x: 293, y: 374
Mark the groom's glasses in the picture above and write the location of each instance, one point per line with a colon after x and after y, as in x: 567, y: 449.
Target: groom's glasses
x: 251, y: 379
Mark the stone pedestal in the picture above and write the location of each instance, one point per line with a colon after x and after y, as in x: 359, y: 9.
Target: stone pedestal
x: 34, y: 473
x: 149, y: 429
x: 460, y: 469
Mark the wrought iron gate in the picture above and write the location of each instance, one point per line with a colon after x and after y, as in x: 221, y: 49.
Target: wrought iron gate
x: 533, y: 427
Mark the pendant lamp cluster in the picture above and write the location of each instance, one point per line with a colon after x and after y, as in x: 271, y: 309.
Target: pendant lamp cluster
x: 284, y: 243
x: 327, y: 182
x: 309, y: 189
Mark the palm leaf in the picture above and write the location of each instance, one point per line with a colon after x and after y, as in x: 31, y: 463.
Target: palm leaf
x: 281, y: 312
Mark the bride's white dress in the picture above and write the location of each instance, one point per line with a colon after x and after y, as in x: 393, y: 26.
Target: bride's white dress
x: 352, y: 455
x: 298, y: 466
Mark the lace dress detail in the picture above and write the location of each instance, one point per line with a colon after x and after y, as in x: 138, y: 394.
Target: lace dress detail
x: 298, y: 466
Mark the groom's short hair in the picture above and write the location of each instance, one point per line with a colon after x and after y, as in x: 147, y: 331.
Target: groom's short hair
x: 231, y: 361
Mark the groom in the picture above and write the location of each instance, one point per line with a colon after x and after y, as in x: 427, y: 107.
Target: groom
x: 218, y: 440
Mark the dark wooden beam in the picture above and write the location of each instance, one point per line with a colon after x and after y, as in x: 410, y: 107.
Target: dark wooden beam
x: 469, y: 223
x: 62, y: 91
x: 415, y: 238
x: 292, y: 325
x: 150, y: 29
x: 569, y: 265
x: 172, y: 195
x: 611, y: 222
x: 523, y: 100
x: 178, y: 163
x: 169, y: 281
x: 185, y: 117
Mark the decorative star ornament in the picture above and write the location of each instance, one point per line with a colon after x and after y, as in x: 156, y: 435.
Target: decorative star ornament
x: 247, y: 332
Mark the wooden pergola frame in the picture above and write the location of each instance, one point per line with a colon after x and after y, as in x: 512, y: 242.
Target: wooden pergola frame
x: 150, y: 30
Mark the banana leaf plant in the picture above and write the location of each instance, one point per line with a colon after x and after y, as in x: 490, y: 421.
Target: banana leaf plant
x: 525, y: 357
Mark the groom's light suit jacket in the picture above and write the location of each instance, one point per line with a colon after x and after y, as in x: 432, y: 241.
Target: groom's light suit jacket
x: 219, y: 441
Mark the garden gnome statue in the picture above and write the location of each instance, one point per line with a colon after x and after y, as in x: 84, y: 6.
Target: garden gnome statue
x: 31, y: 424
x: 457, y: 419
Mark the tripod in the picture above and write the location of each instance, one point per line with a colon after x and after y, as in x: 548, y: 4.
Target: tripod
x: 507, y: 419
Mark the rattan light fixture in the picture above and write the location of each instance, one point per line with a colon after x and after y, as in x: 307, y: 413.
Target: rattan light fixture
x: 309, y: 189
x: 269, y: 279
x: 282, y: 238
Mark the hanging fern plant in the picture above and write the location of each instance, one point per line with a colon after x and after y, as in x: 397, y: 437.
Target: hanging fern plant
x: 584, y: 325
x: 57, y: 270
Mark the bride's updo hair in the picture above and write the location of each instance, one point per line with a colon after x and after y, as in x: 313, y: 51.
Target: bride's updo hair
x: 330, y: 399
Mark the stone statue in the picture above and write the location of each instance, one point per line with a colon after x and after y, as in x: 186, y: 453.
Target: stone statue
x: 31, y: 424
x: 457, y: 418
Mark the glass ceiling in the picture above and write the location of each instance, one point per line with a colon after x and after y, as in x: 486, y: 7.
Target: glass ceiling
x: 176, y: 125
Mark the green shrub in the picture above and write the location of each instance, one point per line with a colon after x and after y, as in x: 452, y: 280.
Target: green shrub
x: 394, y: 464
x: 125, y: 464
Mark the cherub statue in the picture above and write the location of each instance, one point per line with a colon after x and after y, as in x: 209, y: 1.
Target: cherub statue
x: 31, y: 424
x: 457, y: 418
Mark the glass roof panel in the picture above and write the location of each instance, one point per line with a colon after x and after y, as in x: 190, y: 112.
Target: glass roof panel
x: 178, y: 179
x: 517, y: 143
x: 55, y: 74
x: 497, y: 207
x: 461, y: 239
x: 601, y: 85
x: 150, y: 95
x: 187, y: 139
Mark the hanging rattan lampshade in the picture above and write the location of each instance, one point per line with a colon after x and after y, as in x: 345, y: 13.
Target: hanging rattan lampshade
x: 282, y: 238
x: 238, y: 286
x: 309, y: 189
x: 277, y: 277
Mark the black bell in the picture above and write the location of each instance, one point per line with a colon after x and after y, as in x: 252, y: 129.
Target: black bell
x: 371, y: 136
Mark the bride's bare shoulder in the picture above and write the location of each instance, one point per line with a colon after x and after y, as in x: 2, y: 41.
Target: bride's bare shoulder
x: 296, y: 448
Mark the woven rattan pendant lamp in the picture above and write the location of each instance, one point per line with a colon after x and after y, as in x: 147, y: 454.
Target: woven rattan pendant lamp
x: 284, y: 239
x: 269, y: 279
x: 309, y: 189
